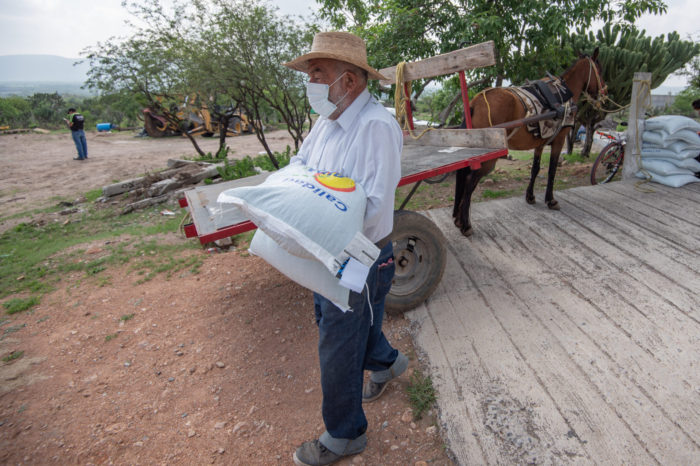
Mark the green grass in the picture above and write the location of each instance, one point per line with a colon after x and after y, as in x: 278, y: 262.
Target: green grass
x: 12, y: 356
x: 111, y: 336
x: 36, y: 255
x: 421, y: 393
x: 15, y: 305
x: 575, y: 156
x: 126, y: 317
x: 495, y: 194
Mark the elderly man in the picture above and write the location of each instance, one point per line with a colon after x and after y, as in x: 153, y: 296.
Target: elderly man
x: 357, y: 138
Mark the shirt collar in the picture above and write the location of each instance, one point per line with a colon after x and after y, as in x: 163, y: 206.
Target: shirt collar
x: 348, y: 116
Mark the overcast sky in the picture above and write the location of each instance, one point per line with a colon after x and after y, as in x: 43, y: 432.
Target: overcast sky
x: 66, y: 27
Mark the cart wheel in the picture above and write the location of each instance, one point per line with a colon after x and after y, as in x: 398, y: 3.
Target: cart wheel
x: 419, y: 255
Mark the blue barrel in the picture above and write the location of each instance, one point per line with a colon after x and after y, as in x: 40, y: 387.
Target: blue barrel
x: 104, y: 126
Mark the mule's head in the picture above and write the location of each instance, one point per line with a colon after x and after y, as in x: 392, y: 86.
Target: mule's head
x: 595, y: 86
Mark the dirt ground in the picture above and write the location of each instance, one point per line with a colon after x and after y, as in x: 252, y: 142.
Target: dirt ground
x: 218, y: 367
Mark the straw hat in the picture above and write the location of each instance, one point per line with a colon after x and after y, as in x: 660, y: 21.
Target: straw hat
x: 341, y: 46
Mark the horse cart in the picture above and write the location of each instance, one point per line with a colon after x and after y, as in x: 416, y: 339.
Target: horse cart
x: 419, y: 246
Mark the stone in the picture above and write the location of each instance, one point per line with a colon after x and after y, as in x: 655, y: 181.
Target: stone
x: 220, y: 425
x: 239, y: 427
x: 432, y: 430
x: 407, y: 416
x: 220, y: 364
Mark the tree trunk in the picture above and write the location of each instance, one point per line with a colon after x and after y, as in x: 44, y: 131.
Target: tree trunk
x: 588, y: 143
x: 570, y: 142
x: 223, y: 128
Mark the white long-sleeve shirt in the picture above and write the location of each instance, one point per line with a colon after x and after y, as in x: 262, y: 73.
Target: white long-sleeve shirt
x: 364, y: 143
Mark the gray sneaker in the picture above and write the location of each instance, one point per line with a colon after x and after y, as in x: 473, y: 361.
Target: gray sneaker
x: 314, y: 453
x: 378, y: 381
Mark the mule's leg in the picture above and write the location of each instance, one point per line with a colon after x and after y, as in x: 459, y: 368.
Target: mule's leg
x: 460, y: 177
x: 557, y: 145
x: 470, y: 182
x: 529, y: 193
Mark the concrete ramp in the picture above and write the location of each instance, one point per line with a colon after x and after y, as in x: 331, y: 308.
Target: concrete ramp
x: 571, y: 336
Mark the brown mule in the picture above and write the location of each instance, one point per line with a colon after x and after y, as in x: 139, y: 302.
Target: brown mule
x: 495, y: 106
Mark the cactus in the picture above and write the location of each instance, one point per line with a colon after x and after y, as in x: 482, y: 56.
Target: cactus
x: 624, y: 51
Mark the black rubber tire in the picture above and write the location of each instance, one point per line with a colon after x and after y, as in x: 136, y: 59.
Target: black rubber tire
x: 420, y: 257
x: 606, y: 167
x: 152, y: 126
x: 235, y: 125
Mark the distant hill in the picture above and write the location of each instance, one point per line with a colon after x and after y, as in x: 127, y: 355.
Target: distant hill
x: 27, y: 74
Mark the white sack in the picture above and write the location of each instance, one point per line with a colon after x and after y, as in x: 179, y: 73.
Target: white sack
x: 310, y: 214
x: 664, y: 153
x: 662, y: 167
x: 689, y: 164
x: 309, y: 273
x: 674, y: 181
x: 671, y: 123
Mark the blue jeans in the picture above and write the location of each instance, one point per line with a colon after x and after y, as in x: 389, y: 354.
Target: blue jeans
x: 80, y: 143
x: 349, y: 343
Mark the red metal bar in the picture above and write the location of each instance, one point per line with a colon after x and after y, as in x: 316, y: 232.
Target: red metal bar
x: 409, y: 111
x: 190, y: 230
x: 183, y: 202
x: 473, y: 162
x: 228, y: 231
x: 465, y: 99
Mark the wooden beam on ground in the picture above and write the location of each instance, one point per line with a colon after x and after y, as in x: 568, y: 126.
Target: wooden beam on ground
x: 475, y: 56
x: 485, y: 138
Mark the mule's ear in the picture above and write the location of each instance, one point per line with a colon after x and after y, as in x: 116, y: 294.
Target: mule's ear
x: 595, y: 53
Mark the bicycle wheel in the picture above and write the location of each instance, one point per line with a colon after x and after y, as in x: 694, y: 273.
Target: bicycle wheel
x: 608, y: 165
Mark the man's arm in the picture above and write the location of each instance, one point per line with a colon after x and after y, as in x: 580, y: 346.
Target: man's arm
x: 380, y: 173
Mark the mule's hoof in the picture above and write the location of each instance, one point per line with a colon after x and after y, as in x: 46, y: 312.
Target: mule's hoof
x: 530, y: 199
x: 553, y: 205
x: 457, y: 222
x: 468, y: 232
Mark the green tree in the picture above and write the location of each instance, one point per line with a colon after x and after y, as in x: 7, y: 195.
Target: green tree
x: 624, y: 51
x: 47, y: 109
x: 153, y: 63
x: 683, y: 103
x: 527, y: 34
x: 243, y: 45
x: 221, y: 53
x: 15, y: 112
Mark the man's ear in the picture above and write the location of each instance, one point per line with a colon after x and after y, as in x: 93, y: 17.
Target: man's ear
x: 351, y: 80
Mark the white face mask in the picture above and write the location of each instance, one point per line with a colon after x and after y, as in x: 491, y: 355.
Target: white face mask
x: 318, y: 97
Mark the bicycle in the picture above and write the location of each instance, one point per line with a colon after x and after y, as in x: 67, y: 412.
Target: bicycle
x: 609, y: 162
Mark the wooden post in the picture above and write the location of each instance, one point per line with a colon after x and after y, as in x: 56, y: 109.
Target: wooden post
x: 641, y: 99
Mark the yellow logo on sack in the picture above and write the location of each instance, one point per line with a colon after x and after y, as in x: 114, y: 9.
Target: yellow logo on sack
x: 335, y: 182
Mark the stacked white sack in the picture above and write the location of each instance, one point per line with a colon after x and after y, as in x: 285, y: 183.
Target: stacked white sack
x: 671, y: 150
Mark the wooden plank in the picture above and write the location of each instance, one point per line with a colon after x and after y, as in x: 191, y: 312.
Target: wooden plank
x: 658, y: 257
x: 631, y: 382
x: 595, y: 427
x: 658, y: 326
x: 667, y: 201
x: 648, y: 335
x: 657, y: 222
x: 486, y: 138
x: 511, y: 415
x: 475, y: 56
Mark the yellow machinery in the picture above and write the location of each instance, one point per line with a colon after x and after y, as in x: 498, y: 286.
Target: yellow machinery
x: 195, y: 118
